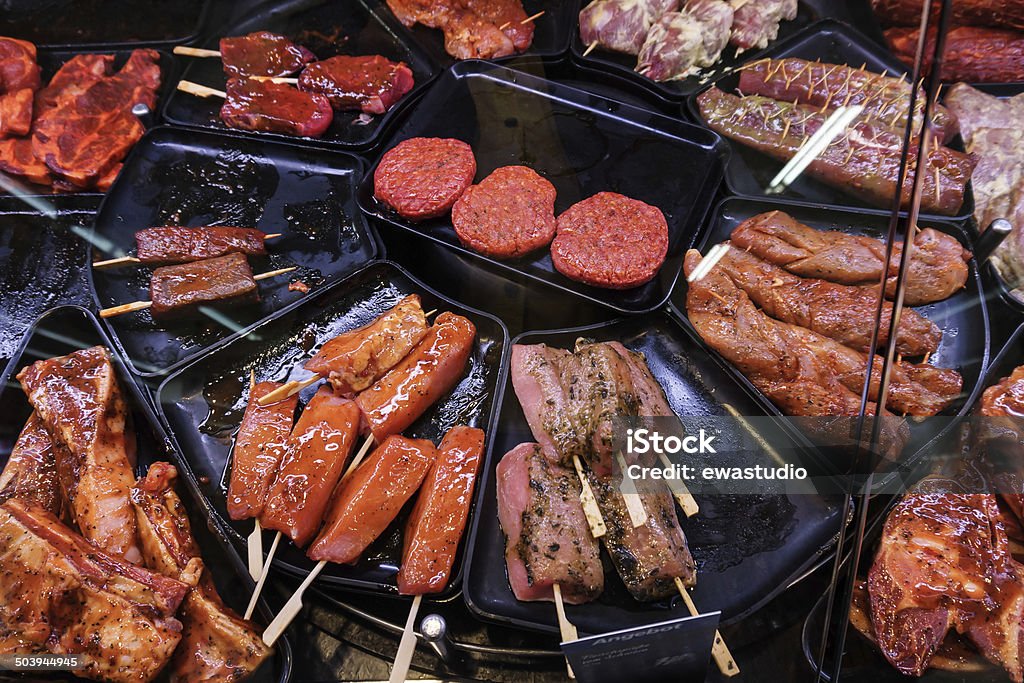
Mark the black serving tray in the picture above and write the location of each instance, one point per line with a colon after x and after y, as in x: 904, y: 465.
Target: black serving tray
x: 748, y: 548
x: 583, y: 144
x: 622, y: 65
x: 963, y: 317
x: 202, y: 178
x: 67, y: 329
x: 204, y: 402
x: 749, y: 172
x: 74, y: 24
x: 328, y: 28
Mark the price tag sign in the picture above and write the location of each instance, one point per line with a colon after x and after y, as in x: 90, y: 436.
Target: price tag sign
x: 676, y: 650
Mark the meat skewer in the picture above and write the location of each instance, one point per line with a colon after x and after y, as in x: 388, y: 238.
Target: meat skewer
x: 256, y: 54
x: 178, y: 244
x: 259, y: 105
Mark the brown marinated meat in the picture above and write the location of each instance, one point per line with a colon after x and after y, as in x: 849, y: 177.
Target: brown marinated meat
x: 473, y: 29
x: 369, y: 83
x: 181, y: 289
x: 17, y: 159
x: 18, y: 68
x: 973, y: 55
x: 179, y: 244
x: 262, y: 54
x: 275, y: 108
x: 16, y: 113
x: 994, y: 13
x: 422, y: 178
x: 31, y: 470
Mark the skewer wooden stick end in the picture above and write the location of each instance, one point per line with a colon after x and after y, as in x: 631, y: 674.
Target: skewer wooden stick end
x: 125, y: 308
x: 200, y: 90
x: 407, y: 645
x: 109, y: 263
x: 590, y: 48
x: 719, y: 650
x: 264, y: 573
x: 254, y: 549
x: 565, y: 627
x: 292, y: 608
x: 187, y: 51
x: 589, y: 502
x: 287, y: 389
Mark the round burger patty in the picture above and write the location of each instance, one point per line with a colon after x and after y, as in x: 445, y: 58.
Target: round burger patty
x: 422, y: 177
x: 509, y: 214
x: 611, y: 241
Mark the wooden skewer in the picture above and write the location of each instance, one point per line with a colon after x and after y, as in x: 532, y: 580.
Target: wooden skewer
x: 682, y: 494
x: 359, y: 457
x: 186, y: 51
x: 143, y: 305
x: 719, y: 650
x: 200, y: 90
x: 276, y: 79
x: 291, y: 608
x: 589, y: 502
x: 634, y: 505
x: 535, y: 17
x: 590, y: 48
x: 565, y: 627
x: 264, y: 573
x: 254, y: 543
x: 407, y: 645
x: 120, y: 261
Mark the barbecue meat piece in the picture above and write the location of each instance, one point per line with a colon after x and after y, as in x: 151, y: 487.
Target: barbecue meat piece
x: 673, y: 45
x: 60, y: 594
x: 30, y: 474
x: 938, y: 267
x: 78, y: 399
x: 973, y: 55
x: 16, y: 113
x: 430, y: 13
x: 17, y: 159
x: 275, y: 108
x: 73, y: 78
x: 1006, y: 398
x: 371, y: 84
x: 178, y: 244
x: 216, y: 644
x: 356, y: 359
x: 617, y: 25
x: 845, y: 313
x: 181, y: 289
x: 547, y: 539
x: 18, y: 68
x: 473, y: 29
x: 756, y: 23
x: 994, y: 13
x: 262, y: 54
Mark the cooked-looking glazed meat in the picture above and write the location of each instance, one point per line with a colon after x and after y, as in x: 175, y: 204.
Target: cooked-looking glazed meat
x: 995, y: 13
x: 438, y: 519
x: 617, y: 25
x: 180, y: 289
x: 73, y: 78
x: 547, y: 537
x: 973, y: 55
x: 31, y: 470
x: 756, y: 22
x: 1006, y: 398
x: 17, y: 159
x: 78, y: 398
x: 216, y: 644
x: 371, y: 497
x: 178, y: 244
x: 371, y: 83
x: 60, y: 594
x: 845, y: 313
x: 473, y: 29
x: 314, y: 461
x: 275, y: 108
x: 259, y: 447
x: 938, y: 266
x: 356, y: 359
x: 262, y: 54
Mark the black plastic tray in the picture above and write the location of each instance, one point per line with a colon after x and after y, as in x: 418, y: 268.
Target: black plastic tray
x: 963, y: 317
x: 748, y: 548
x: 328, y: 28
x: 201, y: 178
x: 550, y: 37
x: 622, y: 65
x: 67, y: 329
x: 749, y: 172
x: 102, y: 23
x: 203, y: 403
x: 583, y: 144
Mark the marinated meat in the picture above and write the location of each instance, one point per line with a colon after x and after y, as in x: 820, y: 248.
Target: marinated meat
x: 509, y: 214
x: 259, y: 448
x: 973, y: 55
x: 106, y: 181
x: 181, y: 289
x: 178, y: 244
x: 73, y: 78
x: 938, y: 267
x: 16, y: 113
x: 473, y: 29
x: 845, y: 313
x: 216, y: 644
x: 30, y: 474
x: 864, y: 161
x: 672, y: 47
x: 715, y: 17
x: 422, y: 178
x: 994, y: 13
x: 318, y: 447
x: 547, y: 541
x: 262, y: 54
x: 609, y: 240
x: 430, y: 371
x: 1005, y: 398
x: 756, y: 22
x: 275, y: 108
x: 59, y: 594
x: 370, y: 499
x: 371, y: 84
x: 617, y: 25
x: 353, y: 361
x: 17, y: 159
x: 78, y: 399
x: 18, y: 68
x: 430, y: 13
x: 438, y: 519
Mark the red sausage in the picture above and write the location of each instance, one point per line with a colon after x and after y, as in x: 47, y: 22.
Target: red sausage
x: 435, y: 527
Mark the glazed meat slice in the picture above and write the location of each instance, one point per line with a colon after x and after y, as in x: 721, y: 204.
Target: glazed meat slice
x: 60, y: 594
x: 216, y: 644
x: 371, y: 84
x: 16, y: 113
x: 617, y: 25
x: 673, y: 45
x: 1006, y: 398
x: 353, y: 361
x: 30, y: 474
x: 178, y: 244
x: 430, y: 13
x: 17, y: 159
x: 756, y: 23
x: 180, y: 289
x: 262, y: 54
x: 845, y: 313
x: 78, y: 398
x: 18, y: 68
x: 995, y: 13
x: 938, y: 267
x: 547, y: 540
x: 275, y: 108
x: 73, y: 78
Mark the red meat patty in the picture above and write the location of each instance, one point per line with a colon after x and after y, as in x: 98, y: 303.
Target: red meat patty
x: 509, y: 214
x: 611, y: 241
x: 423, y: 177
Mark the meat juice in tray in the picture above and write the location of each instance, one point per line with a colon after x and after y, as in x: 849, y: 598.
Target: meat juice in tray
x: 204, y: 402
x: 582, y: 145
x: 72, y: 330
